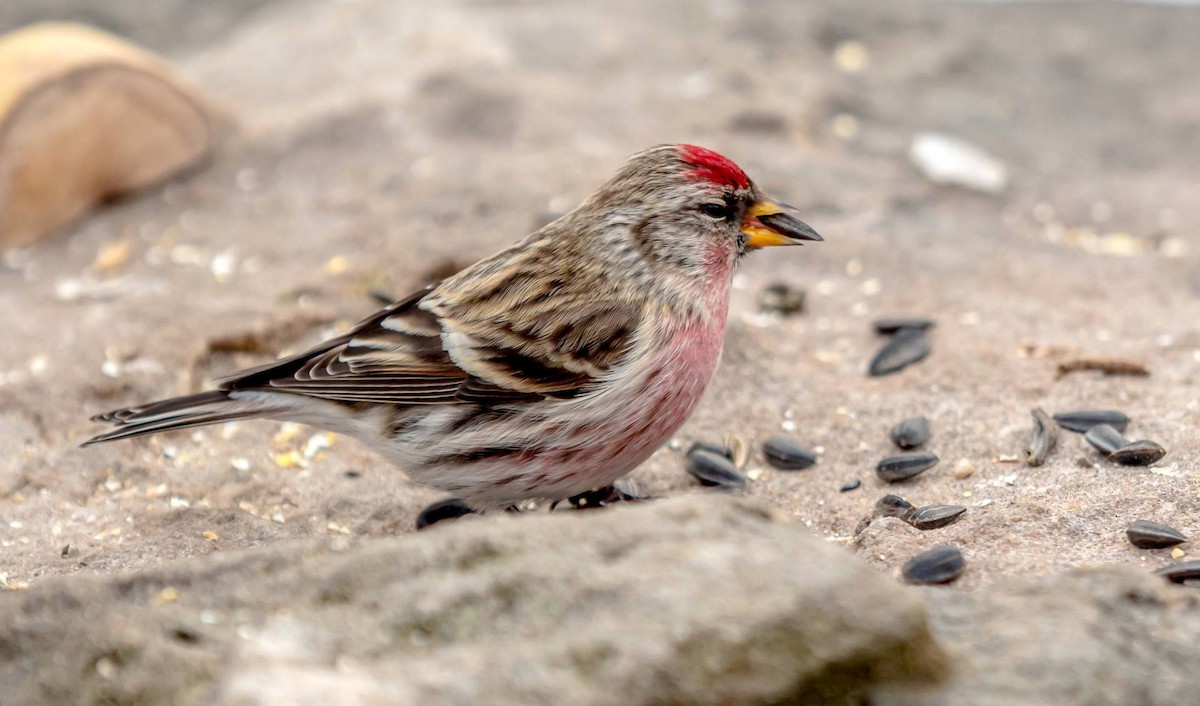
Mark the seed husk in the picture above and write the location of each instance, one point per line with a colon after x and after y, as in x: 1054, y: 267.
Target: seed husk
x: 893, y: 506
x: 910, y: 433
x: 1138, y: 453
x: 713, y: 470
x: 1105, y: 439
x: 781, y: 298
x: 908, y: 346
x: 1081, y: 420
x: 942, y: 564
x: 895, y: 324
x: 448, y: 509
x: 787, y: 455
x: 851, y: 485
x: 900, y: 467
x: 1183, y: 571
x: 935, y: 516
x: 739, y: 450
x: 1145, y: 534
x: 1045, y: 438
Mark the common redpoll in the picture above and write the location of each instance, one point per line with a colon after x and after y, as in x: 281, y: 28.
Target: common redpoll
x: 551, y: 368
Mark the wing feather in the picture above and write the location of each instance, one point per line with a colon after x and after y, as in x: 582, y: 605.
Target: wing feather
x: 541, y: 344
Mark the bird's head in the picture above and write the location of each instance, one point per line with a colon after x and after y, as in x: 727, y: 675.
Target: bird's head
x: 693, y: 210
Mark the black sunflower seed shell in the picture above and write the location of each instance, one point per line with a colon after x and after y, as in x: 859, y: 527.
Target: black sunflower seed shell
x: 787, y: 455
x: 851, y: 485
x: 1081, y: 420
x: 1183, y: 571
x: 448, y: 509
x: 901, y: 467
x: 893, y: 506
x: 718, y: 449
x: 1145, y: 534
x: 713, y: 470
x: 1045, y: 438
x: 911, y: 433
x: 908, y: 346
x: 894, y: 324
x: 1105, y: 439
x: 942, y: 564
x: 935, y: 516
x: 1138, y: 453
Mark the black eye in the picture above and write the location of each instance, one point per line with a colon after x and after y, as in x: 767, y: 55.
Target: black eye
x: 716, y: 211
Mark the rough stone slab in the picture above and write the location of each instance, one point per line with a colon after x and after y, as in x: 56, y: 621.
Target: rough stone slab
x: 699, y: 600
x: 1101, y: 637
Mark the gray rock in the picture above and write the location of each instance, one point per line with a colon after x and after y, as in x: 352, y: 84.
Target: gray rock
x: 699, y: 600
x: 1101, y: 637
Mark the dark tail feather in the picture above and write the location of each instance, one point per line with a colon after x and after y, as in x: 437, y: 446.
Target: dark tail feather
x: 185, y: 412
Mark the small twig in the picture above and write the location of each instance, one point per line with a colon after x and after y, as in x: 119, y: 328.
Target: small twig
x: 1105, y: 364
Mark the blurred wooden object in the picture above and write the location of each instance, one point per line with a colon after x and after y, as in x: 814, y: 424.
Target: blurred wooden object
x: 86, y: 117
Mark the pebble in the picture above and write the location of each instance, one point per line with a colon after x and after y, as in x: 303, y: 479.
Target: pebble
x: 900, y: 467
x: 1183, y: 571
x: 1045, y: 438
x: 1084, y: 419
x: 908, y: 346
x: 1105, y: 439
x: 448, y: 509
x: 781, y: 298
x: 963, y: 468
x: 942, y: 564
x: 935, y: 516
x: 893, y: 506
x: 713, y: 470
x: 787, y: 455
x: 945, y: 159
x: 1138, y: 453
x: 894, y: 324
x: 1145, y: 534
x: 851, y: 485
x: 911, y: 433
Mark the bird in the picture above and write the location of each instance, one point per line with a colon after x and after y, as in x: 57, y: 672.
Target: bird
x: 549, y: 369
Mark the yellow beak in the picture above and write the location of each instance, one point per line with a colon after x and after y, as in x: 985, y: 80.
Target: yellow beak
x: 769, y: 223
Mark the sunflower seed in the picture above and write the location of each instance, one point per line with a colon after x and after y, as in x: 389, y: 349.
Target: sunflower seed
x: 1083, y: 419
x: 1138, y: 453
x: 851, y: 485
x: 787, y: 455
x: 895, y: 324
x: 893, y: 506
x: 908, y: 346
x: 718, y: 449
x: 1105, y: 438
x: 448, y: 509
x: 910, y: 433
x: 1181, y: 572
x: 942, y: 564
x: 781, y: 298
x: 714, y: 470
x: 935, y: 516
x: 1045, y: 438
x: 1145, y: 534
x: 894, y: 469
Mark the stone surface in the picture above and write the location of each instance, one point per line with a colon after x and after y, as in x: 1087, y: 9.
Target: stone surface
x: 566, y: 608
x: 1088, y: 637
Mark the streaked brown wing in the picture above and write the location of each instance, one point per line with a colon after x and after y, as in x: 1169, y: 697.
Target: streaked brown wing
x: 398, y: 356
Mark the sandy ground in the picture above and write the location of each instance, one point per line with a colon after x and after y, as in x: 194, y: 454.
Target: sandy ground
x: 372, y: 144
